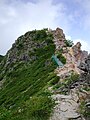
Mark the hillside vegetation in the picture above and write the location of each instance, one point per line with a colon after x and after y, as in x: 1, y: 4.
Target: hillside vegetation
x: 24, y: 94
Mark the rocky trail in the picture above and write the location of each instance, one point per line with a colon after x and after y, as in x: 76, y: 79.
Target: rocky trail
x: 67, y: 106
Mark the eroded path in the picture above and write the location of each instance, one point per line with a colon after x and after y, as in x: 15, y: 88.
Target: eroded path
x: 66, y: 108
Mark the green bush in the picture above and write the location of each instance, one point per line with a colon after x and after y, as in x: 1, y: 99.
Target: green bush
x: 84, y: 110
x: 71, y: 79
x: 40, y: 35
x: 55, y: 80
x: 39, y: 107
x: 67, y: 82
x: 62, y: 58
x: 5, y: 114
x: 69, y: 43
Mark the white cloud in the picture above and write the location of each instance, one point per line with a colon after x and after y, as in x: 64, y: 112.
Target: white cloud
x: 85, y: 8
x: 68, y: 37
x: 18, y: 17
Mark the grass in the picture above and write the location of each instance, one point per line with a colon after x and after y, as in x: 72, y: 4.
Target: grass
x: 84, y: 110
x: 64, y: 86
x: 60, y: 56
x: 69, y: 43
x: 24, y: 95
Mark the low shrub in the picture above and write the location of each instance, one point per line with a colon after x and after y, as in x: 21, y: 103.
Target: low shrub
x: 62, y: 58
x: 69, y: 43
x: 55, y: 80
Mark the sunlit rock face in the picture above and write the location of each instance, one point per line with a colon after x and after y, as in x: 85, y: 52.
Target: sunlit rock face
x: 59, y: 38
x: 78, y: 53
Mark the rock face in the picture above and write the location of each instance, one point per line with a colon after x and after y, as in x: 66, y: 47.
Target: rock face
x: 85, y: 79
x: 66, y: 107
x: 74, y: 56
x: 85, y: 66
x: 59, y: 38
x: 78, y: 53
x: 76, y: 48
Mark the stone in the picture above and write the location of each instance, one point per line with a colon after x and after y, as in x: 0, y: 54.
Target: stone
x: 78, y: 53
x: 72, y: 87
x: 88, y: 104
x: 59, y: 38
x: 66, y: 107
x: 83, y: 67
x: 76, y: 49
x: 86, y: 68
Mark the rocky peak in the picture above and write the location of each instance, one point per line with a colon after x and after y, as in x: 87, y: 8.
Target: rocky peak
x: 78, y: 45
x: 59, y: 38
x: 78, y: 53
x: 59, y: 33
x: 76, y: 49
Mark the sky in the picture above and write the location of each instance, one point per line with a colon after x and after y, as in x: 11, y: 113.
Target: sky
x: 19, y: 16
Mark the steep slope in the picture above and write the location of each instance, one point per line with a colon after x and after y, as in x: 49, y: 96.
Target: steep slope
x: 25, y: 73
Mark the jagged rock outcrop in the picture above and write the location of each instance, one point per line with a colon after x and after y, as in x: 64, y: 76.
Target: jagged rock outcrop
x: 74, y: 56
x: 59, y: 38
x: 85, y: 66
x: 78, y: 53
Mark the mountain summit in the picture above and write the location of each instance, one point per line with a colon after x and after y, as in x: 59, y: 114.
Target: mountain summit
x: 44, y: 77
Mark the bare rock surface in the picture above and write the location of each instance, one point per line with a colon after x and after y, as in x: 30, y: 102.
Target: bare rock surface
x: 74, y: 56
x: 66, y: 107
x: 77, y: 61
x: 59, y: 38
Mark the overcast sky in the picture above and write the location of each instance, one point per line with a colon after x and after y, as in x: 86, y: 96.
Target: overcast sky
x: 20, y: 16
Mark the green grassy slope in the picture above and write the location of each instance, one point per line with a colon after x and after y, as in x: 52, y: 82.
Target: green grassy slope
x: 24, y: 95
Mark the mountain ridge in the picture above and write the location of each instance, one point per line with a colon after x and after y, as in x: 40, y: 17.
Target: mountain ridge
x: 29, y: 77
